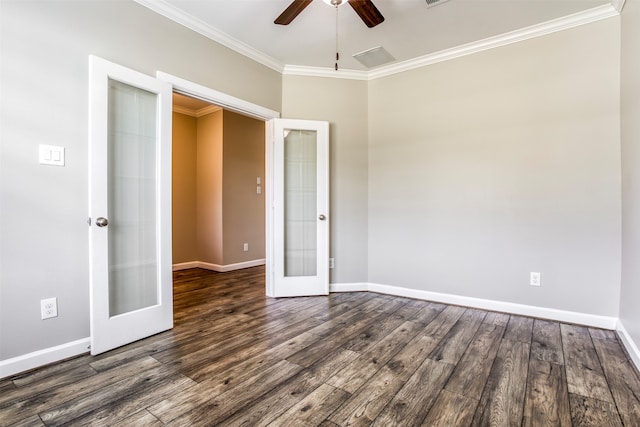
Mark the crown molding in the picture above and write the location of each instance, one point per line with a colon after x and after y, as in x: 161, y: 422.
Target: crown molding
x: 299, y: 70
x: 168, y: 11
x: 196, y: 113
x: 581, y: 18
x: 207, y: 110
x: 618, y: 5
x: 184, y: 110
x: 560, y: 24
x: 549, y: 27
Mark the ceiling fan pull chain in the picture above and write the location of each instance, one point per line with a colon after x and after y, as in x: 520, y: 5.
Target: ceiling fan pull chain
x: 337, y: 54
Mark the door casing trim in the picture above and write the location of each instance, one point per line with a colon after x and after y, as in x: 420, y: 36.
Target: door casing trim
x: 229, y: 102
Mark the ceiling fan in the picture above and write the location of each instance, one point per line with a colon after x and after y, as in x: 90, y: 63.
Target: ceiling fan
x: 365, y: 9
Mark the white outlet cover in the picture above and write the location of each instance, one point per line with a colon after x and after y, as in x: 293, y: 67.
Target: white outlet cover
x: 534, y: 279
x: 48, y: 308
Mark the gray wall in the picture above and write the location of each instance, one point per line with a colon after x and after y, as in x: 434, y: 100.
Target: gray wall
x: 630, y: 295
x: 344, y: 104
x: 43, y: 209
x: 461, y: 177
x: 487, y: 167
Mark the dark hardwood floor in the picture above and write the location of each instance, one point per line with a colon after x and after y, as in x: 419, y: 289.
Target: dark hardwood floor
x: 237, y: 358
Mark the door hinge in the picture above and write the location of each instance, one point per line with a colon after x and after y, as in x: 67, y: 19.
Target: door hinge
x: 89, y: 221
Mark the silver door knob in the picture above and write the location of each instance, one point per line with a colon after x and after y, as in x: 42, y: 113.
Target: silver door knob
x: 322, y: 217
x: 102, y: 222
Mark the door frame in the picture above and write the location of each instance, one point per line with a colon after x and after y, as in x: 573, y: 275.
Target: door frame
x: 228, y: 102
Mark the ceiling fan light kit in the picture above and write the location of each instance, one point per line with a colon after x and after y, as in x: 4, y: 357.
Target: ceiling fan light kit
x: 333, y: 2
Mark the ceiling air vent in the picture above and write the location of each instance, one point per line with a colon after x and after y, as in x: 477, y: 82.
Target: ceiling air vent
x: 374, y: 57
x: 432, y: 3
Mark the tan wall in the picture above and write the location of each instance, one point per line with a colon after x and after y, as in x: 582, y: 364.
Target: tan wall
x: 630, y: 133
x: 184, y: 188
x: 216, y: 159
x: 209, y: 193
x: 243, y: 209
x: 488, y: 167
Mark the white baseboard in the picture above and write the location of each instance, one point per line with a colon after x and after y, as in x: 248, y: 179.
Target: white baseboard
x: 592, y: 320
x: 43, y: 357
x: 217, y: 267
x: 185, y: 265
x: 629, y: 344
x: 348, y: 287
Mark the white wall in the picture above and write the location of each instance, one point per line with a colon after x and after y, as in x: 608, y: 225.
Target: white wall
x: 344, y: 104
x: 44, y: 85
x: 630, y: 125
x: 485, y: 168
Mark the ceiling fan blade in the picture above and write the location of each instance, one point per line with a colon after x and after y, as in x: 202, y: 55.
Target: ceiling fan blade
x: 291, y: 12
x: 367, y: 11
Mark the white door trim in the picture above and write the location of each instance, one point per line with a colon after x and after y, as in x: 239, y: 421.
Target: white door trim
x: 225, y: 101
x: 250, y: 109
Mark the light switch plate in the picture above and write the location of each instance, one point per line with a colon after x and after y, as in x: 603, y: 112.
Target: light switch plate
x: 51, y: 155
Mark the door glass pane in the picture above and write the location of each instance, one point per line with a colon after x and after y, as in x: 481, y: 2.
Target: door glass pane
x: 132, y: 198
x: 300, y: 199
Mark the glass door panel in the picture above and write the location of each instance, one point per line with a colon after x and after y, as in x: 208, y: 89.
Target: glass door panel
x: 300, y: 203
x: 133, y: 282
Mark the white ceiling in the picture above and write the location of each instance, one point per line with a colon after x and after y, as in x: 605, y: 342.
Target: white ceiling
x: 411, y: 29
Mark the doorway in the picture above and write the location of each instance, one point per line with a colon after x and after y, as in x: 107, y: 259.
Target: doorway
x: 218, y: 206
x: 230, y: 103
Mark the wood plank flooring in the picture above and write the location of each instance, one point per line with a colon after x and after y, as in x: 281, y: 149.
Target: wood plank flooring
x: 237, y: 358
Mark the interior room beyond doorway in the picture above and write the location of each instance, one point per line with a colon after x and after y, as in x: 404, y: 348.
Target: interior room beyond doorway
x: 218, y: 182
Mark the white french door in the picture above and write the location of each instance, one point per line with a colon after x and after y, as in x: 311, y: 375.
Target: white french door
x: 300, y: 208
x: 129, y: 205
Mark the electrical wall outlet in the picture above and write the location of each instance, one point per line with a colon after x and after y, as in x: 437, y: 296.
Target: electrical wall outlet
x: 48, y: 308
x: 534, y: 278
x: 245, y: 247
x: 331, y: 263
